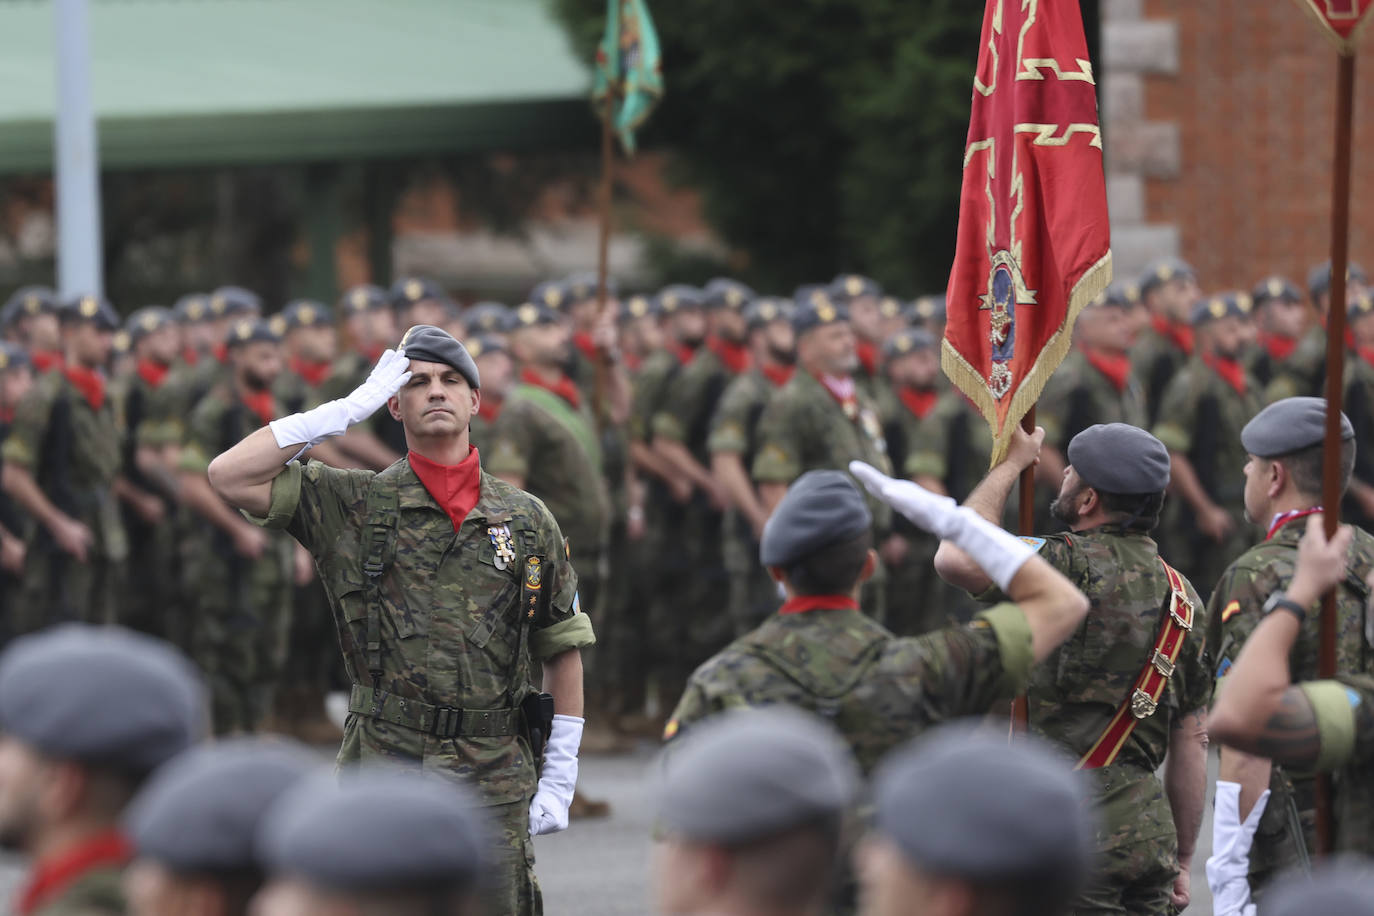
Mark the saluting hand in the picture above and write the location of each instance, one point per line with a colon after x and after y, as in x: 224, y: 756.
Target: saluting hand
x: 924, y: 508
x: 391, y: 372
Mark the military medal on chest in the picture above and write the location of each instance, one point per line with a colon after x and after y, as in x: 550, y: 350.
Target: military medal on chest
x: 501, y: 540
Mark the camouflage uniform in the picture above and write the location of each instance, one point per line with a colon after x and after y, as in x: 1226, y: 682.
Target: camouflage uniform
x: 72, y: 449
x: 685, y: 418
x: 453, y: 642
x: 1303, y: 374
x: 1235, y: 610
x: 1359, y: 407
x: 734, y: 429
x: 1074, y: 694
x: 1157, y: 360
x: 804, y: 428
x: 240, y: 608
x: 1345, y: 726
x: 1079, y: 395
x: 1201, y: 417
x: 15, y: 523
x: 97, y: 891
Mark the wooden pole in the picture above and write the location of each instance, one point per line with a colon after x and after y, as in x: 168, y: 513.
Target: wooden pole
x: 603, y: 243
x: 1335, y: 383
x: 1025, y: 524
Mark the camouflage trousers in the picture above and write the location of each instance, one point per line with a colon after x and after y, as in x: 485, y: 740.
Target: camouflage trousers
x: 513, y: 887
x: 58, y: 588
x: 753, y: 593
x: 153, y: 604
x: 1133, y: 879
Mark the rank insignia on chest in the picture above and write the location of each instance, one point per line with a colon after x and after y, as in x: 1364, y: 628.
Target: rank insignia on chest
x: 501, y: 540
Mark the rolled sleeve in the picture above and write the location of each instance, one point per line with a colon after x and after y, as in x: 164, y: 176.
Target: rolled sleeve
x: 1008, y: 623
x: 1334, y: 705
x: 286, y: 499
x: 573, y: 633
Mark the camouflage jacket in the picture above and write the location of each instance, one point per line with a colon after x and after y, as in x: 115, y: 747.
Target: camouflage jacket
x: 1079, y: 395
x: 1345, y: 725
x: 1075, y: 693
x: 1359, y: 407
x: 1156, y: 360
x: 554, y: 447
x: 878, y: 690
x: 73, y: 452
x: 803, y: 429
x: 651, y: 386
x: 1303, y: 374
x: 1236, y: 608
x: 453, y: 630
x: 1201, y: 417
x: 909, y: 437
x: 97, y: 892
x: 686, y: 416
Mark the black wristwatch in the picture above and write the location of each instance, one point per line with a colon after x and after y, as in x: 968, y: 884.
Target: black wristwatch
x: 1280, y: 600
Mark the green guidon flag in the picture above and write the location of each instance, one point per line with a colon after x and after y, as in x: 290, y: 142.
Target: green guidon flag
x: 629, y: 67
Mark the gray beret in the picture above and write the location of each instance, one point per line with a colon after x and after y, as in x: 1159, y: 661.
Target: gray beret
x: 101, y: 695
x: 1343, y: 886
x: 489, y: 318
x: 581, y: 286
x: 639, y: 306
x: 376, y: 830
x: 533, y: 314
x: 765, y: 310
x: 231, y: 301
x: 847, y: 287
x: 1289, y: 425
x: 1162, y: 270
x: 192, y: 308
x: 1120, y: 458
x: 817, y: 311
x: 409, y: 290
x: 679, y: 296
x: 1319, y: 278
x: 928, y: 308
x: 146, y: 320
x: 251, y: 330
x: 27, y: 301
x: 305, y: 313
x: 724, y: 293
x: 1275, y: 289
x: 435, y: 345
x: 908, y: 340
x: 200, y: 811
x: 820, y: 508
x: 1222, y: 305
x: 95, y: 310
x: 962, y: 803
x: 364, y: 298
x: 750, y: 773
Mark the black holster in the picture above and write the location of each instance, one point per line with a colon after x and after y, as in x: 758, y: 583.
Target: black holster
x: 536, y: 716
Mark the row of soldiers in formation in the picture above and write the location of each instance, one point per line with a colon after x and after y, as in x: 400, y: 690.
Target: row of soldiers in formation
x: 661, y: 431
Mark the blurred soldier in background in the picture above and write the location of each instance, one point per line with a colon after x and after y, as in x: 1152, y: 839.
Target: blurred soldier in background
x: 1170, y: 292
x: 1303, y: 373
x: 1282, y: 317
x: 369, y: 328
x: 16, y: 377
x: 30, y: 319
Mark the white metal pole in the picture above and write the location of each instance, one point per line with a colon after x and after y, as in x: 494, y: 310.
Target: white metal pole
x: 76, y: 165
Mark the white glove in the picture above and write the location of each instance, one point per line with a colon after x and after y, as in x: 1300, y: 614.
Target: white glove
x: 1229, y: 866
x: 557, y: 777
x: 996, y: 552
x: 333, y: 418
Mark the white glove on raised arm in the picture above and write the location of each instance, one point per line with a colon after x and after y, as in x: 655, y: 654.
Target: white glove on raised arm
x: 557, y: 777
x: 1228, y: 868
x: 996, y: 552
x: 333, y: 418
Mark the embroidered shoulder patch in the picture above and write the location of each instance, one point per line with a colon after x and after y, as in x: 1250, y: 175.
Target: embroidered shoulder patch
x: 1035, y: 543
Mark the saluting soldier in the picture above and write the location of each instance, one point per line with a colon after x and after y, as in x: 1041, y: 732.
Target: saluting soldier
x: 1282, y: 317
x: 1268, y: 710
x: 1170, y: 292
x: 238, y: 575
x: 1204, y: 409
x: 1128, y: 692
x: 16, y: 378
x: 61, y: 466
x: 149, y: 439
x: 1283, y: 486
x: 30, y: 318
x: 733, y: 443
x: 1303, y: 373
x: 370, y: 325
x: 448, y: 585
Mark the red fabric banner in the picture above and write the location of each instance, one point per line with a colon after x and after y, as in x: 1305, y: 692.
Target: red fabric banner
x: 1034, y: 242
x: 1340, y: 20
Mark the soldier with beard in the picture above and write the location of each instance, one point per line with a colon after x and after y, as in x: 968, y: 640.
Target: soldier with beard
x: 238, y: 575
x: 1092, y: 697
x: 61, y: 466
x: 1200, y: 420
x: 862, y: 297
x: 772, y: 346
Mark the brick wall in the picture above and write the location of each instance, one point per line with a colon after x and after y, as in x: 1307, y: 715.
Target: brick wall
x: 1219, y: 118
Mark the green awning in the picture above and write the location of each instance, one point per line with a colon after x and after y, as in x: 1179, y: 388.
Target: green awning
x: 223, y: 82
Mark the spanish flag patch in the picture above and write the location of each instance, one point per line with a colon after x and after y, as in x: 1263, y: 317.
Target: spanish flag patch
x: 1230, y: 610
x: 670, y: 729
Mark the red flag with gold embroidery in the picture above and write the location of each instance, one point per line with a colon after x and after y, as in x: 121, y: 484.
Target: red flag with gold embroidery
x: 1340, y: 20
x: 1034, y: 242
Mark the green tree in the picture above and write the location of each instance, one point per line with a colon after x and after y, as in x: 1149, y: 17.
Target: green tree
x: 824, y: 135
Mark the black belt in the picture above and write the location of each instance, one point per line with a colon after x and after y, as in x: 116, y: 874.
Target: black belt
x: 441, y: 721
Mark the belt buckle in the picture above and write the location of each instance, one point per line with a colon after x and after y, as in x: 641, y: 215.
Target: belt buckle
x: 447, y: 721
x: 1162, y: 664
x: 1142, y: 705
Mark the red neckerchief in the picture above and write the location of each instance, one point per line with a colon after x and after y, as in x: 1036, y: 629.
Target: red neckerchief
x: 220, y: 352
x: 632, y: 361
x: 777, y: 373
x: 868, y: 356
x: 1115, y: 366
x: 53, y: 876
x: 1231, y: 372
x: 1366, y: 354
x: 564, y: 387
x: 455, y: 487
x: 803, y: 603
x: 1278, y: 346
x: 154, y: 373
x: 262, y: 405
x: 313, y: 373
x: 6, y: 415
x: 583, y: 341
x: 735, y: 356
x: 1284, y: 518
x: 920, y: 401
x: 844, y: 391
x: 89, y: 382
x: 190, y: 356
x: 683, y: 352
x: 43, y: 360
x: 1180, y: 334
x: 490, y: 408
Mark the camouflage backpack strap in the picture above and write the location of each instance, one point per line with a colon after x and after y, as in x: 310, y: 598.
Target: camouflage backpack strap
x: 1175, y: 623
x: 379, y: 540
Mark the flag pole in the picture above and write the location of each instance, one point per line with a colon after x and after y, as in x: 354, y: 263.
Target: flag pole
x: 1025, y: 524
x: 603, y: 242
x: 1335, y: 365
